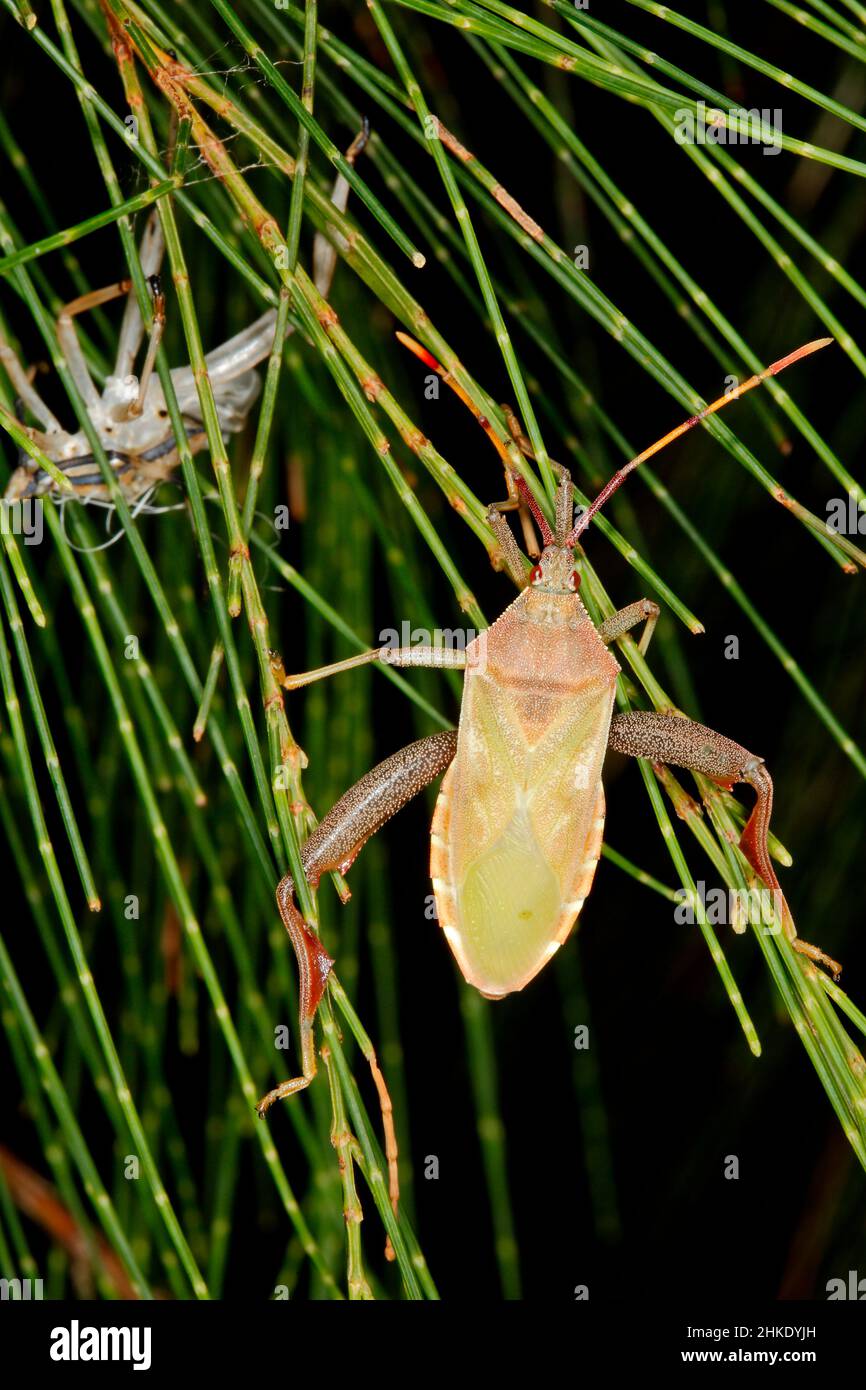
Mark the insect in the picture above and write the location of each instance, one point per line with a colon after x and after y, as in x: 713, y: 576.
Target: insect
x: 518, y: 824
x: 130, y: 414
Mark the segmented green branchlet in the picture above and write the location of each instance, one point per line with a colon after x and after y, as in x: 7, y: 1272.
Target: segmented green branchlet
x: 69, y: 996
x: 88, y: 225
x: 543, y: 249
x: 345, y: 1148
x: 600, y: 606
x: 85, y: 977
x: 461, y: 213
x: 293, y: 234
x: 16, y: 1256
x: 429, y: 215
x: 841, y: 1068
x: 739, y: 174
x: 841, y: 33
x: 253, y: 999
x: 143, y: 1017
x: 56, y: 1158
x: 413, y: 1266
x: 268, y: 396
x: 526, y: 34
x: 44, y: 211
x: 838, y: 546
x: 22, y: 578
x: 303, y: 586
x: 731, y: 584
x: 283, y: 747
x: 174, y: 633
x: 670, y: 16
x: 818, y: 532
x: 367, y: 263
x: 216, y: 445
x: 86, y: 982
x: 838, y: 1062
x: 626, y: 333
x: 174, y: 882
x: 14, y: 430
x: 146, y: 564
x: 655, y: 254
x: 107, y: 595
x: 52, y: 1086
x: 102, y: 1077
x: 355, y: 181
x: 194, y: 797
x: 819, y: 444
x: 207, y: 696
x: 358, y: 251
x: 574, y: 157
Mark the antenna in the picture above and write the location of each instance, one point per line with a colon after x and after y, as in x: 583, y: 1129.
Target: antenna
x: 619, y: 478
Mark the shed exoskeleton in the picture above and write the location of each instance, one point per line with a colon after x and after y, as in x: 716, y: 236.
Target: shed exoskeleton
x: 129, y: 413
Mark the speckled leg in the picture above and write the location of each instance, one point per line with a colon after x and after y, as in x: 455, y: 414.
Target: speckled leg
x: 618, y: 624
x: 520, y: 497
x: 665, y: 738
x: 454, y: 659
x: 334, y: 846
x: 511, y: 556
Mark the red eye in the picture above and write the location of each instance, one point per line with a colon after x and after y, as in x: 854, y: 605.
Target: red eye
x: 535, y: 574
x: 575, y: 580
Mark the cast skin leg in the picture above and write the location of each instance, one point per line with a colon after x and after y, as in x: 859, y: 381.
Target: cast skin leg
x: 666, y: 738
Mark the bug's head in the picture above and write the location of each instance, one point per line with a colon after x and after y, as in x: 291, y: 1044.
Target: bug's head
x: 555, y: 571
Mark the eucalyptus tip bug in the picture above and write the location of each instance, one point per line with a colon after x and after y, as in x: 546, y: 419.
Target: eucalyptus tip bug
x: 519, y: 819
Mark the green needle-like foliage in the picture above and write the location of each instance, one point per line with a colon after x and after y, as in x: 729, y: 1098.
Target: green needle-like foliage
x: 527, y: 208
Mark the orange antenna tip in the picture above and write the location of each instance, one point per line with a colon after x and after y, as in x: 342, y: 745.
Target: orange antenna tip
x: 732, y: 394
x: 421, y: 352
x: 805, y: 351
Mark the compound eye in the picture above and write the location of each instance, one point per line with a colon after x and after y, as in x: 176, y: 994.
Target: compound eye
x: 575, y: 580
x: 535, y: 574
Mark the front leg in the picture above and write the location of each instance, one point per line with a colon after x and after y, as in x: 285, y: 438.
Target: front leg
x: 428, y: 657
x: 665, y: 738
x: 621, y: 622
x: 333, y: 846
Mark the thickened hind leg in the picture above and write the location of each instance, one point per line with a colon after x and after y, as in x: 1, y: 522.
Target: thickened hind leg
x: 333, y: 846
x: 665, y: 738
